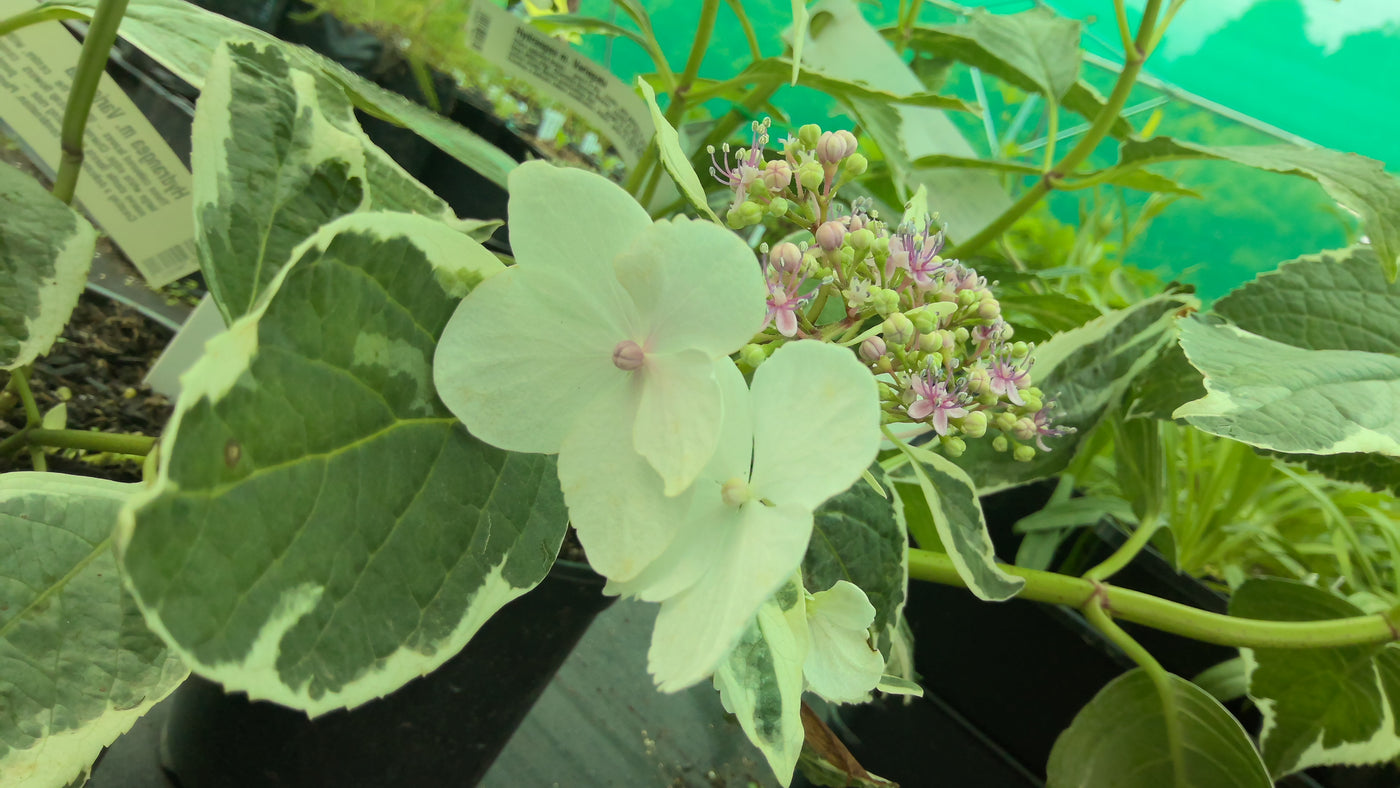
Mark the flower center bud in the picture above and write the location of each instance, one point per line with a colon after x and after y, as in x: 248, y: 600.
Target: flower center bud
x: 736, y: 492
x: 628, y: 355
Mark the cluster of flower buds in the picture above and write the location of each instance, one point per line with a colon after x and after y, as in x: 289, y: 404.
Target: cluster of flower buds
x: 929, y: 328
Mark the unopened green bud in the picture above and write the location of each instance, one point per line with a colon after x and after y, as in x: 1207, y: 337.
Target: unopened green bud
x: 1033, y: 391
x: 989, y: 309
x: 778, y: 207
x: 953, y: 447
x: 1023, y: 429
x: 1032, y: 404
x: 885, y: 301
x: 1023, y: 453
x: 752, y: 355
x: 930, y: 344
x: 1000, y: 443
x: 861, y: 240
x: 809, y: 135
x: 825, y: 272
x: 926, y: 321
x: 979, y: 380
x: 1005, y: 421
x: 1019, y: 349
x: 898, y: 328
x: 856, y: 165
x: 974, y: 424
x: 960, y: 334
x: 968, y: 298
x: 810, y: 175
x: 744, y: 214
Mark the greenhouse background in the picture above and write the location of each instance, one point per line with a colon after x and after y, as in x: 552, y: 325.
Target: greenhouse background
x: 1232, y: 72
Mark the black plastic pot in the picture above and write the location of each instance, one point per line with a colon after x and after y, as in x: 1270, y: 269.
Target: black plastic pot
x: 443, y: 729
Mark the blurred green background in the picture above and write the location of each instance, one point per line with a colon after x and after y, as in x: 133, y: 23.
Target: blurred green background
x: 1228, y: 72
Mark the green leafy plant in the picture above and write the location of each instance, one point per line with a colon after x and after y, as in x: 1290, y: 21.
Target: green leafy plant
x: 391, y: 438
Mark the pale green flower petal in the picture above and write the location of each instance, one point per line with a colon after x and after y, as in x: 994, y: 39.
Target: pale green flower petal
x: 816, y: 423
x: 841, y: 666
x: 675, y: 570
x: 751, y: 551
x: 696, y: 285
x: 614, y: 496
x: 521, y: 357
x: 678, y: 417
x: 571, y: 221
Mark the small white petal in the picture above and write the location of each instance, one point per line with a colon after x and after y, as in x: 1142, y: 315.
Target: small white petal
x: 678, y: 418
x: 571, y: 221
x: 522, y: 357
x: 615, y: 499
x: 816, y: 423
x: 841, y: 666
x: 696, y: 286
x: 749, y: 557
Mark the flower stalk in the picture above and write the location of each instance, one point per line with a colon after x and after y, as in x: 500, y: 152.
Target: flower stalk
x: 101, y: 34
x: 1172, y: 617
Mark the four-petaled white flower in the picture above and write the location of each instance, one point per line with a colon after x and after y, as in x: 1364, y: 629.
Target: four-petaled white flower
x: 805, y: 431
x: 603, y: 343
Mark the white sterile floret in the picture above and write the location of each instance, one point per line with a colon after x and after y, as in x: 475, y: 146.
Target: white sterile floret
x: 841, y: 665
x: 805, y: 431
x: 601, y: 343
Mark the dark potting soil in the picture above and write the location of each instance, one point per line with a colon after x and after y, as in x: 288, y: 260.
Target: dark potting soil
x: 97, y: 368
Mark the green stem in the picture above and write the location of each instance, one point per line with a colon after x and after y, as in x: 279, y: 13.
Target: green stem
x: 20, y: 381
x: 36, y: 15
x: 1172, y: 617
x: 15, y: 442
x: 708, y: 11
x: 423, y: 76
x: 1134, y: 57
x: 1127, y: 551
x: 134, y: 445
x: 1161, y: 679
x: 101, y: 34
x: 644, y: 166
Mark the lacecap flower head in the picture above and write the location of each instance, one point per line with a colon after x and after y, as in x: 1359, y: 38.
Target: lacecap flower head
x: 610, y: 320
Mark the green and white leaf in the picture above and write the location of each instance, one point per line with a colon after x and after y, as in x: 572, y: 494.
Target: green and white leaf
x: 277, y: 154
x: 1085, y: 371
x: 673, y: 158
x: 957, y: 514
x: 859, y: 536
x: 1356, y: 182
x: 322, y: 530
x: 1036, y: 50
x: 45, y: 252
x: 80, y: 664
x: 1334, y: 300
x: 761, y: 682
x: 1120, y: 739
x: 182, y: 37
x: 1320, y: 706
x: 1277, y: 396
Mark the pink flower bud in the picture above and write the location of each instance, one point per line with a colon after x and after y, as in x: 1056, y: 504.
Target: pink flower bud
x: 830, y: 235
x: 786, y: 257
x: 872, y: 348
x: 777, y: 175
x: 835, y: 146
x: 628, y: 356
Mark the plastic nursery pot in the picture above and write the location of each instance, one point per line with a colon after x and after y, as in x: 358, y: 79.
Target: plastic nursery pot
x: 442, y: 729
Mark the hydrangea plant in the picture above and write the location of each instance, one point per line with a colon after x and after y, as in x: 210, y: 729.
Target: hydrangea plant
x: 764, y: 418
